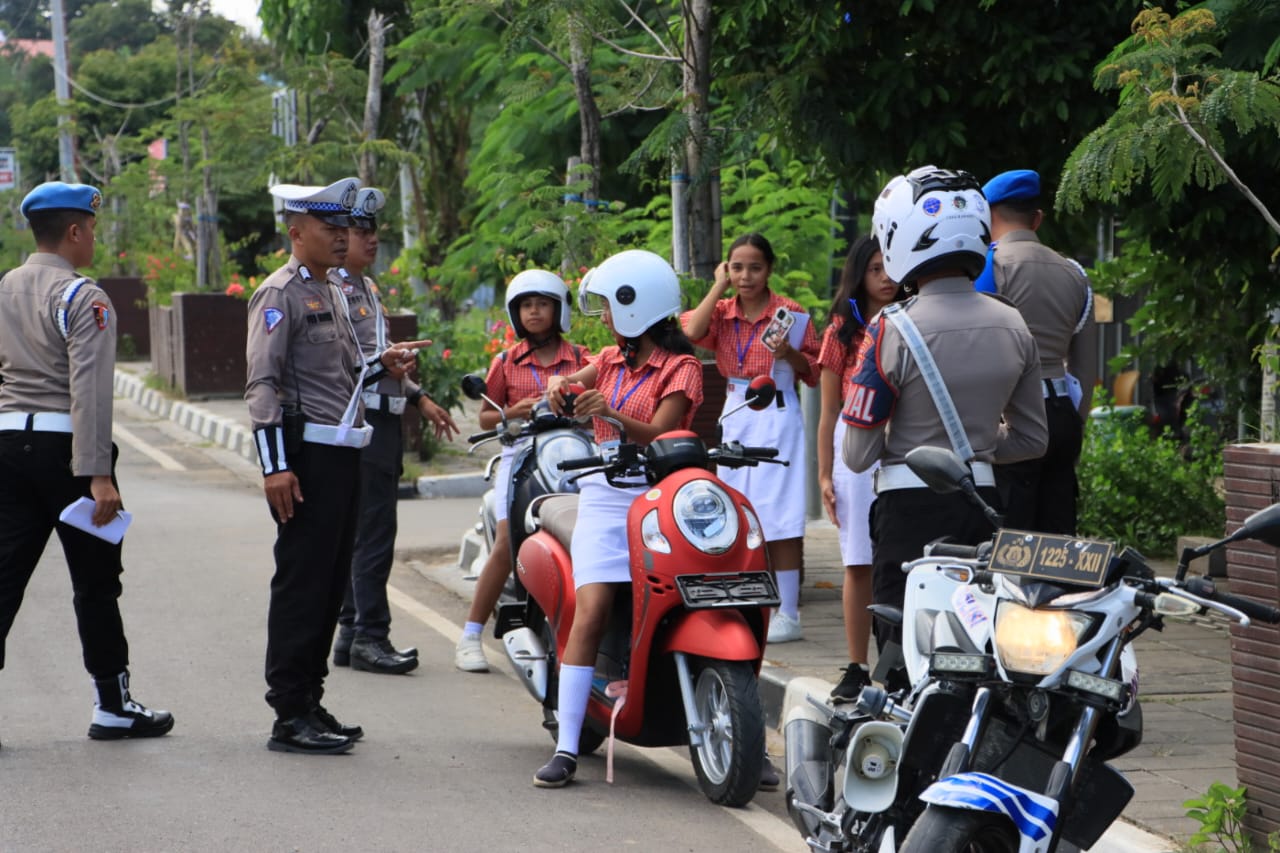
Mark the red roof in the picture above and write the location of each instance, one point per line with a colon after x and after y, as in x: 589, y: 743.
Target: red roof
x: 31, y: 47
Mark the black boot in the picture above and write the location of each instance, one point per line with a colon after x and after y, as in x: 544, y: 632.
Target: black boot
x: 308, y: 736
x: 378, y: 655
x: 116, y: 715
x: 342, y: 648
x: 330, y: 723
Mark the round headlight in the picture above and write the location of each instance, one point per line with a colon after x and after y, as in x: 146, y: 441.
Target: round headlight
x: 554, y: 448
x: 706, y: 516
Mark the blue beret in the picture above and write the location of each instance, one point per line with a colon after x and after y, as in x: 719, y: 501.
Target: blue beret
x: 1011, y: 186
x: 55, y: 195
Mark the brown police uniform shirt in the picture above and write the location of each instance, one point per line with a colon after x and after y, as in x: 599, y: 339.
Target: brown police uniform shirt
x: 366, y: 312
x: 988, y: 362
x: 300, y: 349
x: 1052, y: 294
x: 41, y: 371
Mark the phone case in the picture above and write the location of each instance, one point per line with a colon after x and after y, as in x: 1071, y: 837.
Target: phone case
x: 778, y: 327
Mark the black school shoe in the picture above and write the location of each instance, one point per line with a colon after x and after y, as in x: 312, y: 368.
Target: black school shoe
x: 370, y: 655
x: 851, y: 683
x: 306, y: 735
x: 330, y: 723
x: 557, y: 772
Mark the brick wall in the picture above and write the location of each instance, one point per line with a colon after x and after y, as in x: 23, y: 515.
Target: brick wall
x: 1252, y: 473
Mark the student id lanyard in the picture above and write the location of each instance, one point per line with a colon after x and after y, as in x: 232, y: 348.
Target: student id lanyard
x: 616, y: 404
x: 740, y: 347
x: 538, y: 379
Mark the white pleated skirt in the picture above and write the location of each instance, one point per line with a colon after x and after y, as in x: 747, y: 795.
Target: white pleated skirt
x: 599, y: 545
x: 854, y: 495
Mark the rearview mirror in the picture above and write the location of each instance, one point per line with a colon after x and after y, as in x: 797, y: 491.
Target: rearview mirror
x: 941, y: 469
x: 473, y: 386
x: 1263, y: 525
x: 760, y: 393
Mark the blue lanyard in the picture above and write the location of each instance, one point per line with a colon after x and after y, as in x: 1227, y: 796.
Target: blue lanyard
x: 742, y: 349
x: 538, y: 379
x: 617, y: 389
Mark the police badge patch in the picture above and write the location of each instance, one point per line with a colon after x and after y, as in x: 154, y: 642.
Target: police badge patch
x: 101, y: 314
x: 272, y: 317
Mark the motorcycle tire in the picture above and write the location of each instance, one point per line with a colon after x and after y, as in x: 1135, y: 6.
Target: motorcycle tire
x: 590, y: 740
x: 946, y: 830
x: 730, y: 758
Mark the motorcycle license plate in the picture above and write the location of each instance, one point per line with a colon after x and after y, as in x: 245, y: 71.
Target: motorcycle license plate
x: 740, y: 589
x: 1051, y: 557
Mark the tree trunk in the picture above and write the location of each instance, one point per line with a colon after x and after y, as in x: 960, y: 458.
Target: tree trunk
x: 700, y: 156
x: 207, y: 226
x: 373, y: 94
x: 588, y: 111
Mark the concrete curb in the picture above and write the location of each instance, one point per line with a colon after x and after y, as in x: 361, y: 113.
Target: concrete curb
x: 453, y: 486
x: 221, y: 431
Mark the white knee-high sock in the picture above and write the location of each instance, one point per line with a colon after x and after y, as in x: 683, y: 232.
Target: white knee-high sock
x: 789, y: 592
x: 575, y: 690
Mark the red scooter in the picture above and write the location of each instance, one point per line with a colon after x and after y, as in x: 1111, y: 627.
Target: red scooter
x: 679, y: 660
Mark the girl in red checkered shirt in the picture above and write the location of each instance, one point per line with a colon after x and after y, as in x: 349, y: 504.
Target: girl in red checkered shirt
x: 732, y: 327
x: 538, y: 307
x: 652, y: 384
x: 865, y: 288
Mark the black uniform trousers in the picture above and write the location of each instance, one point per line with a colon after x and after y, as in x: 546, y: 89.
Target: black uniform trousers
x: 365, y: 611
x: 903, y: 521
x: 1041, y: 493
x: 36, y: 484
x: 313, y: 571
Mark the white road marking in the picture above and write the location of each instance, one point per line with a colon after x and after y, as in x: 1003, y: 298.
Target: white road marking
x: 164, y: 460
x: 781, y: 834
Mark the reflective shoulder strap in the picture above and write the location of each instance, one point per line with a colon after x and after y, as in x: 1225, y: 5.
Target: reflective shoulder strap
x: 60, y: 317
x: 1088, y: 298
x: 353, y: 405
x: 932, y: 378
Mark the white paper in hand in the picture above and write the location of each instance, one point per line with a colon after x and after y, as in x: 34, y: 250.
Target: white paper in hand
x: 79, y: 514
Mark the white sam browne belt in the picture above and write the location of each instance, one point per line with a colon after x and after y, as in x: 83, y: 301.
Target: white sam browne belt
x: 889, y: 478
x: 36, y: 421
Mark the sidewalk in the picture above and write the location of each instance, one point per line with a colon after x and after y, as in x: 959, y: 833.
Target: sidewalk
x: 1188, y: 743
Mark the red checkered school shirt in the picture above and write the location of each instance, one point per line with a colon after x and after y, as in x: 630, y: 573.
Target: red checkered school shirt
x: 512, y: 378
x: 736, y: 340
x: 839, y: 359
x: 637, y: 393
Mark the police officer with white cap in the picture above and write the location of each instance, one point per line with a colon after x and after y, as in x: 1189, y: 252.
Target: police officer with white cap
x: 57, y: 360
x: 364, y: 623
x: 1053, y: 295
x: 305, y: 375
x: 942, y: 370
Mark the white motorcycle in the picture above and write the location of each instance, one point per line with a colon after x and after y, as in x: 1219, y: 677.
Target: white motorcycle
x: 1024, y: 684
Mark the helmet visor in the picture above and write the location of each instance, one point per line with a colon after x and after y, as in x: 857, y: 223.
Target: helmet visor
x: 592, y: 304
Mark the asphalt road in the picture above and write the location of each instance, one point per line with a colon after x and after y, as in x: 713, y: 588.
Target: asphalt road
x: 447, y: 759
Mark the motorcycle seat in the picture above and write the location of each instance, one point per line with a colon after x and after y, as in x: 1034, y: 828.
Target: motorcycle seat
x: 557, y: 515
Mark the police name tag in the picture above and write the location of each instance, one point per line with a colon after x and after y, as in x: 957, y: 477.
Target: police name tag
x: 1050, y: 557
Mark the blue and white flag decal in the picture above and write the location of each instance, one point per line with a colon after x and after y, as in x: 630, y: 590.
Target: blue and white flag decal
x: 1035, y: 815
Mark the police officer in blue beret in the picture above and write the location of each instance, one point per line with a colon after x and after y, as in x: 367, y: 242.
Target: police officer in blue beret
x: 57, y: 360
x: 1052, y: 293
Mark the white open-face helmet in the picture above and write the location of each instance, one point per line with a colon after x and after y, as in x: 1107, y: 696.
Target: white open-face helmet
x: 639, y: 288
x: 540, y: 283
x: 932, y: 219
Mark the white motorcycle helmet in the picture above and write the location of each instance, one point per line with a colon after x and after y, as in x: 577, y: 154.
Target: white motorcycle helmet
x: 932, y: 219
x: 541, y: 283
x: 638, y: 288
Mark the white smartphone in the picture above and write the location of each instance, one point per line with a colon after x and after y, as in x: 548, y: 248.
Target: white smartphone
x: 779, y: 325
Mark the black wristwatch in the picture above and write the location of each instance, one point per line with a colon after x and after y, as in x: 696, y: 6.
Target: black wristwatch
x: 414, y: 397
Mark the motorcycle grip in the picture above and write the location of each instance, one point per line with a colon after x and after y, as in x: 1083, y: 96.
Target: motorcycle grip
x: 482, y: 436
x: 760, y: 452
x: 585, y: 462
x: 953, y: 549
x: 1204, y: 588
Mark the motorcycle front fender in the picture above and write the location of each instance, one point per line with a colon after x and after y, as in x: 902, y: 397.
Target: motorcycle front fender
x: 721, y: 634
x: 1034, y: 815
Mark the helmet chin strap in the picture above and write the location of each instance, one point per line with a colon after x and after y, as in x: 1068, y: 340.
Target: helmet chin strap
x: 534, y: 345
x: 630, y: 348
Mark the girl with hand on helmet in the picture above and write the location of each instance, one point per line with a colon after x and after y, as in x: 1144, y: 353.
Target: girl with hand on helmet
x: 538, y: 308
x: 732, y: 327
x: 865, y: 288
x: 652, y: 384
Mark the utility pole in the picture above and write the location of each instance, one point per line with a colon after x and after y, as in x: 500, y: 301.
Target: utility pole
x: 62, y: 88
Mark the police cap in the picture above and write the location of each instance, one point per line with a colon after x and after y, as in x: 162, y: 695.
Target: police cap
x: 56, y: 195
x: 365, y: 211
x: 1012, y: 186
x: 331, y: 204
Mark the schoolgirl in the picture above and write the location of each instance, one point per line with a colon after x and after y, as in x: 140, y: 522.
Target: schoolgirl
x: 651, y: 383
x: 865, y: 288
x: 733, y: 328
x: 538, y: 308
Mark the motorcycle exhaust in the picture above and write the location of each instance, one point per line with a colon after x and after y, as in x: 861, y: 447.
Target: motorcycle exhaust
x: 529, y: 659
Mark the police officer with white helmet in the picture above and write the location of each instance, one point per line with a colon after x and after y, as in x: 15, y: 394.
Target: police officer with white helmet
x: 943, y: 370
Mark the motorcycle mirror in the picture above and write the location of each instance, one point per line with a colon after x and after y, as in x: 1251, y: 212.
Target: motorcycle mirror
x: 760, y: 393
x: 1263, y: 525
x: 473, y: 386
x: 941, y: 469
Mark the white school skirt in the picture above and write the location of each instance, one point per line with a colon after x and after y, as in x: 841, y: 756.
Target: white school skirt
x: 854, y: 496
x: 777, y: 492
x: 599, y: 545
x: 502, y: 479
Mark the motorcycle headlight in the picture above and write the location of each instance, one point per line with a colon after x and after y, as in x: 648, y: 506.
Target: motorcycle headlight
x: 652, y: 533
x: 1037, y: 642
x: 706, y: 516
x: 561, y: 447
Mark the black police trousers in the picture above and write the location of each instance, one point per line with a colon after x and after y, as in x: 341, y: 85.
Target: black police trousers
x: 1041, y: 493
x: 36, y: 484
x: 313, y: 570
x: 365, y: 611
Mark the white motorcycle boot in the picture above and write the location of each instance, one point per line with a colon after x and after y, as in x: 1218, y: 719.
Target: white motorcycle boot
x: 116, y: 715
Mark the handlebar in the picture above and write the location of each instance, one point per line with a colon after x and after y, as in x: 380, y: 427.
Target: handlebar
x: 1204, y: 588
x: 475, y: 438
x: 953, y: 549
x: 760, y: 452
x: 578, y: 464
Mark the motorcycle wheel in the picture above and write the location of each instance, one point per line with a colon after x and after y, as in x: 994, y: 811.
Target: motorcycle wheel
x: 590, y: 740
x: 731, y: 756
x: 945, y: 830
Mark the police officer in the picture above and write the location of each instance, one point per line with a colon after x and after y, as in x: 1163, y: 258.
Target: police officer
x: 933, y: 228
x: 57, y: 360
x: 1053, y: 295
x: 305, y: 375
x: 364, y: 623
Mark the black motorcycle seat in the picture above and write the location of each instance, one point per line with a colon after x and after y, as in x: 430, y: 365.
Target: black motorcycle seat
x: 557, y: 516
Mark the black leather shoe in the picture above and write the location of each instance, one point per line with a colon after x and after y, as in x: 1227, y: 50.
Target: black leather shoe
x: 306, y: 735
x: 342, y: 650
x: 330, y: 723
x: 370, y: 655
